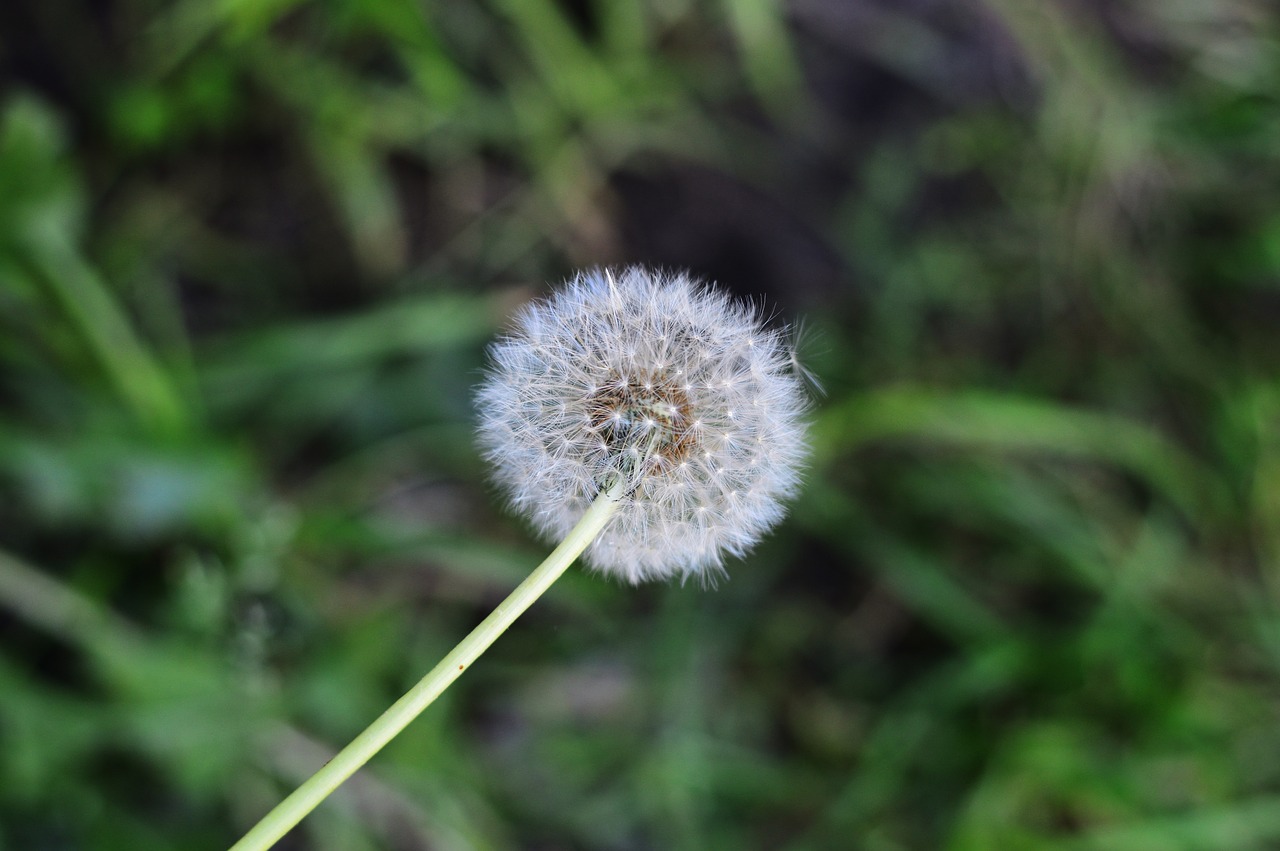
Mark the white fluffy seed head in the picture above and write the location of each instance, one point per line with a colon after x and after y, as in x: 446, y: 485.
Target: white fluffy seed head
x: 667, y: 384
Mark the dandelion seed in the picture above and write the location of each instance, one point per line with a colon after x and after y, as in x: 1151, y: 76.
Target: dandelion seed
x: 660, y: 402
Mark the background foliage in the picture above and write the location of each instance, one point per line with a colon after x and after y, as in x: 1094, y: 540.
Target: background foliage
x: 250, y: 254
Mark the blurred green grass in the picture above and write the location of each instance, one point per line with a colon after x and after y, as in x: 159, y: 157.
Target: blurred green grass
x: 250, y: 254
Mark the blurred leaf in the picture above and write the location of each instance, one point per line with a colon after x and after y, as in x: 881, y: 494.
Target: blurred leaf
x: 136, y: 490
x: 1012, y: 424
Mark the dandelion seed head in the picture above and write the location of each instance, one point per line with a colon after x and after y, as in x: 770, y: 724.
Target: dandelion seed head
x: 660, y: 382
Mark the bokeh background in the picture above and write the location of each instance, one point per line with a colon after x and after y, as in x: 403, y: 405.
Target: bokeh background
x: 251, y: 252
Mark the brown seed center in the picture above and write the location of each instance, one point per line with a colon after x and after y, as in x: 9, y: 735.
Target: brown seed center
x: 645, y: 415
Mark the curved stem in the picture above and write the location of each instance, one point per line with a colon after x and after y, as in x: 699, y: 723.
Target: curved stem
x: 306, y: 797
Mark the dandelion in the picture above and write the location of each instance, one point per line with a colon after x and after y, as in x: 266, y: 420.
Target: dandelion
x: 659, y: 383
x: 643, y: 418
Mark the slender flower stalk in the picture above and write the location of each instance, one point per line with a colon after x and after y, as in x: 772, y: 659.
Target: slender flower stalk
x: 645, y: 420
x: 306, y: 797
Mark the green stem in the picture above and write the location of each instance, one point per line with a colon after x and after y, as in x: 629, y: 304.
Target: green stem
x: 306, y: 797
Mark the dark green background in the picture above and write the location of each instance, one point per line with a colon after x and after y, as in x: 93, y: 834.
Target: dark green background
x: 251, y: 252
